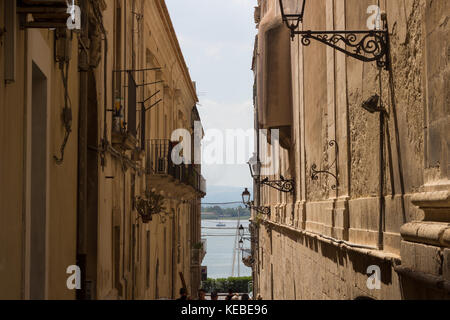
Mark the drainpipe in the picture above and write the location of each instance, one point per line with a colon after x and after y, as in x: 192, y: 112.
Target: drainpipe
x: 382, y: 157
x: 257, y: 192
x: 124, y: 232
x: 381, y: 213
x: 83, y: 66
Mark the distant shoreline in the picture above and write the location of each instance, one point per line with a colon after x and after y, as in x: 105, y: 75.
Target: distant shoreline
x: 225, y: 218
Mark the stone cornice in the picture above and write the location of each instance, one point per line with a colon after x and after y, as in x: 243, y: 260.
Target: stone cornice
x: 432, y: 233
x: 435, y: 227
x: 432, y: 200
x: 164, y: 12
x: 344, y: 245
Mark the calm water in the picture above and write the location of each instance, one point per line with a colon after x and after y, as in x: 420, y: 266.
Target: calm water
x: 219, y: 255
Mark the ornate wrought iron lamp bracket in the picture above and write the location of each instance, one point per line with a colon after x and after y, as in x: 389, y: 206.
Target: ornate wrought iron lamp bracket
x: 366, y: 46
x: 249, y: 204
x: 261, y: 210
x: 281, y: 185
x: 315, y: 173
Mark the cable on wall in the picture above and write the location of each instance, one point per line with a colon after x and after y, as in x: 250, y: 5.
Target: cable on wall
x: 67, y: 111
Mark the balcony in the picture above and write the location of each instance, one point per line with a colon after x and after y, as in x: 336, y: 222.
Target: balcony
x: 198, y: 253
x: 203, y: 252
x: 247, y: 258
x: 163, y: 174
x: 45, y: 13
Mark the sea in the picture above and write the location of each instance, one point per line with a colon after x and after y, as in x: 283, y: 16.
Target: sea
x: 220, y: 244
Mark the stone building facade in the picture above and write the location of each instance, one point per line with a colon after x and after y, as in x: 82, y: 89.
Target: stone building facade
x: 87, y: 119
x: 383, y: 203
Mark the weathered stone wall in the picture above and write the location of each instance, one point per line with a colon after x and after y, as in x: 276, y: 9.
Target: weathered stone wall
x: 90, y: 212
x: 436, y: 90
x: 146, y: 269
x: 314, y: 269
x: 36, y: 46
x: 323, y: 248
x: 11, y: 198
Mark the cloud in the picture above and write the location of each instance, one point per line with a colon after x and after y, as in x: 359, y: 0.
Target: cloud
x: 214, y: 51
x: 244, y: 3
x: 227, y: 175
x: 223, y: 115
x: 217, y: 37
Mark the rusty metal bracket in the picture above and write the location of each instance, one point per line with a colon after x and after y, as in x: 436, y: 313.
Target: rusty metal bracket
x: 315, y: 173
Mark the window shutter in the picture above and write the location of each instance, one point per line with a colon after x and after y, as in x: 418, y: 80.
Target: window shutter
x: 143, y: 126
x: 131, y: 105
x: 277, y: 100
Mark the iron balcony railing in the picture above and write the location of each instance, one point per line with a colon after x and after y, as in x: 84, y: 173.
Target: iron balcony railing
x: 157, y: 157
x: 159, y: 162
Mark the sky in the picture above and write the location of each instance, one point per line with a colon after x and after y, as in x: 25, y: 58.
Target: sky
x: 217, y: 38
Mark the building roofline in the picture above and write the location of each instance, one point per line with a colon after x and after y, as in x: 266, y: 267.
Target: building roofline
x: 161, y: 5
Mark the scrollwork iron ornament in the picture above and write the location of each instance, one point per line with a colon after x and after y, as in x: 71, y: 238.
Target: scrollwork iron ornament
x: 367, y: 46
x: 282, y: 185
x: 260, y: 210
x: 315, y: 173
x: 149, y: 205
x: 248, y: 261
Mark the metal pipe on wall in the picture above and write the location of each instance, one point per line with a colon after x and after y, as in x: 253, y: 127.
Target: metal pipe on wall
x: 82, y: 153
x: 382, y: 204
x: 257, y: 192
x: 382, y: 163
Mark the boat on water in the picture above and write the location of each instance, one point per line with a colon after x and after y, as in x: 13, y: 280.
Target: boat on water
x: 221, y: 224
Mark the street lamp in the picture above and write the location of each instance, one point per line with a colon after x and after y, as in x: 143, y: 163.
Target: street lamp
x: 241, y: 231
x: 364, y: 45
x: 292, y: 12
x: 255, y: 167
x: 282, y: 185
x: 246, y: 197
x: 248, y: 204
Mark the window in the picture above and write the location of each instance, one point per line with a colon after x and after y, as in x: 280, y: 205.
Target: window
x: 131, y: 105
x: 38, y: 185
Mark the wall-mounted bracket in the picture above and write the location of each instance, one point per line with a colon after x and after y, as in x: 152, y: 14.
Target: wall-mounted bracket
x: 366, y: 46
x: 261, y: 210
x: 281, y: 185
x: 315, y: 173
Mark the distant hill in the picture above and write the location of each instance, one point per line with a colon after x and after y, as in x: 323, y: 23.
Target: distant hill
x: 221, y: 194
